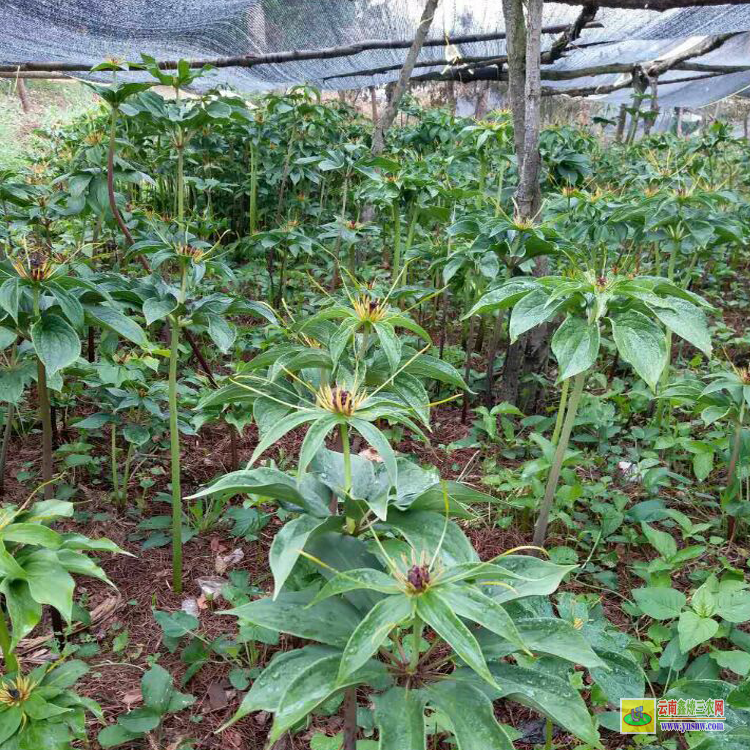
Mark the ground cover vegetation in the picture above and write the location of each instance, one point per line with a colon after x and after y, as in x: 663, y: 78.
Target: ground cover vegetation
x: 304, y: 447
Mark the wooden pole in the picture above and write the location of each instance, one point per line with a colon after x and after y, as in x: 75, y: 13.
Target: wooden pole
x: 621, y: 119
x: 389, y: 114
x: 23, y: 95
x: 373, y: 104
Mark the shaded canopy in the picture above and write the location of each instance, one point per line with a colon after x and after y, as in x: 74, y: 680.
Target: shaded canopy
x: 88, y: 31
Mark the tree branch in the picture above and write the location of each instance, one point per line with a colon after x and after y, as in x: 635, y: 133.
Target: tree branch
x: 250, y: 61
x: 391, y: 108
x: 657, y: 5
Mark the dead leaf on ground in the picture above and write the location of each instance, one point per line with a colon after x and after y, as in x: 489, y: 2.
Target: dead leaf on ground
x: 217, y: 697
x: 224, y: 562
x: 132, y: 697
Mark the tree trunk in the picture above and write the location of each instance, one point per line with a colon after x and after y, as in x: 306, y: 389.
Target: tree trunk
x: 528, y: 196
x: 621, y: 120
x: 451, y: 96
x: 654, y: 108
x: 497, y: 332
x: 389, y: 114
x: 515, y: 27
x: 23, y: 95
x: 480, y: 111
x: 678, y: 125
x: 373, y: 104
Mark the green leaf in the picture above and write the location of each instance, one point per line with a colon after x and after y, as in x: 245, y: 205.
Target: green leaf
x: 314, y: 439
x: 503, y: 297
x: 736, y: 661
x: 139, y: 721
x: 264, y: 483
x: 531, y: 311
x: 25, y: 612
x: 156, y: 688
x: 471, y: 713
x: 694, y: 630
x: 390, y: 343
x: 527, y: 575
x: 10, y: 296
x: 372, y: 631
x: 575, y: 346
x: 550, y: 695
x: 426, y: 366
x: 49, y: 583
x: 662, y: 542
x: 7, y: 337
x: 733, y: 606
x: 470, y: 603
x: 221, y: 332
x: 341, y: 337
x: 267, y: 690
x: 287, y: 424
x: 687, y: 321
x: 114, y: 320
x: 379, y: 442
x: 331, y: 622
x: 437, y: 613
x: 10, y: 720
x: 356, y: 580
x: 424, y: 532
x: 155, y: 309
x: 401, y: 321
x: 399, y: 717
x: 31, y: 533
x: 545, y: 635
x: 660, y: 603
x: 641, y: 343
x: 620, y: 677
x: 70, y: 306
x: 56, y: 343
x: 115, y: 735
x: 313, y: 686
x: 703, y: 465
x: 287, y: 545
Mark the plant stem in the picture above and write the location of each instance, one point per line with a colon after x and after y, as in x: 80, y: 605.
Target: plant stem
x: 732, y: 469
x: 46, y: 419
x: 253, y: 188
x: 111, y: 178
x: 540, y: 530
x: 347, y: 457
x: 9, y: 658
x: 174, y: 442
x: 548, y: 736
x: 350, y: 719
x: 416, y: 641
x: 561, y: 410
x: 113, y: 452
x: 7, y: 432
x: 396, y: 240
x: 180, y: 180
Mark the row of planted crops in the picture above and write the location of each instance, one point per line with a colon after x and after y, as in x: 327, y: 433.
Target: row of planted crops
x: 482, y: 477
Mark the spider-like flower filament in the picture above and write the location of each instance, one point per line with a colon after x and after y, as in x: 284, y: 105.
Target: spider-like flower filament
x: 369, y: 310
x: 338, y: 400
x: 15, y: 692
x: 36, y: 268
x: 189, y: 251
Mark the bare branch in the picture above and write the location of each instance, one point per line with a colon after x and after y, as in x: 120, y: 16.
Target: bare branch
x: 656, y: 5
x: 250, y: 61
